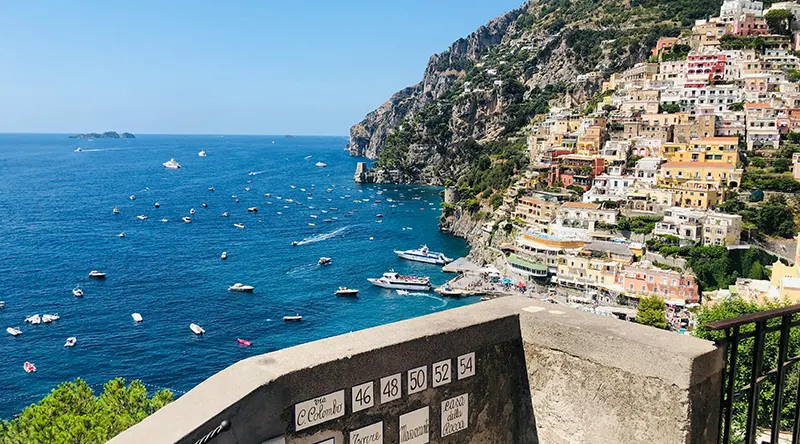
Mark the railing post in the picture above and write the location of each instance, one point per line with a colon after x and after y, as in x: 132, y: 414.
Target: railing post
x: 728, y: 391
x: 755, y: 373
x: 781, y: 378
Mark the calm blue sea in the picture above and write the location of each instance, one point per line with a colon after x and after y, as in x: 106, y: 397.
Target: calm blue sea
x: 56, y: 225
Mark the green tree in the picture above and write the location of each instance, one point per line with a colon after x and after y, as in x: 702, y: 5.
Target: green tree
x: 71, y: 413
x: 775, y: 217
x: 670, y: 108
x: 779, y: 21
x: 652, y: 312
x: 757, y: 271
x: 738, y: 106
x: 781, y: 165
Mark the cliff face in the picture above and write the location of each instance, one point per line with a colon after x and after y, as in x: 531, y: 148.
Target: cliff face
x: 368, y: 137
x: 486, y: 87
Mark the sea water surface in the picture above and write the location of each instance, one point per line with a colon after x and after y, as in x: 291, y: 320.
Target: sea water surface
x: 56, y: 225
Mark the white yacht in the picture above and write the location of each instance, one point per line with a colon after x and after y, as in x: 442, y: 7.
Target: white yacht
x: 122, y: 234
x: 187, y: 219
x: 71, y: 341
x: 77, y: 292
x: 324, y: 261
x: 141, y: 217
x: 34, y: 320
x: 50, y: 318
x: 165, y: 220
x: 394, y: 280
x: 240, y: 226
x: 78, y: 150
x: 137, y: 317
x: 252, y: 210
x: 115, y: 210
x: 241, y: 288
x: 202, y: 153
x: 321, y: 164
x: 344, y: 291
x: 224, y: 255
x: 196, y: 329
x: 293, y: 318
x: 225, y: 214
x: 423, y: 254
x: 14, y: 331
x: 171, y: 164
x: 97, y: 274
x: 192, y: 211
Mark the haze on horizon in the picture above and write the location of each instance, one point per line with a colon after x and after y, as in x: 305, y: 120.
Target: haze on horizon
x: 183, y: 67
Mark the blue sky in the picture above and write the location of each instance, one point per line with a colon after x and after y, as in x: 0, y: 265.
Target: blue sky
x: 214, y: 67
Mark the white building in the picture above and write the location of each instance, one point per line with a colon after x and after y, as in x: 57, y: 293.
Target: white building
x: 711, y: 98
x: 731, y: 10
x: 611, y: 186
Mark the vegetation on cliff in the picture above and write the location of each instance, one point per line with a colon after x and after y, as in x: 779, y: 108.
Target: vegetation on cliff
x: 105, y: 135
x: 73, y: 414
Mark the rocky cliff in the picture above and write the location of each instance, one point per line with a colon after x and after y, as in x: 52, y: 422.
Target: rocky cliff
x: 486, y: 87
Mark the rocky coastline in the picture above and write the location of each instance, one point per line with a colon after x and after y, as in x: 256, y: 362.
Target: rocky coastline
x: 105, y: 135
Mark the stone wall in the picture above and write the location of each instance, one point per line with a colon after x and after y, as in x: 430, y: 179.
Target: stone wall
x: 510, y: 370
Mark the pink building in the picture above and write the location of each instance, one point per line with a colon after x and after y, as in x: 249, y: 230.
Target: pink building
x: 705, y: 67
x: 647, y: 280
x: 749, y: 24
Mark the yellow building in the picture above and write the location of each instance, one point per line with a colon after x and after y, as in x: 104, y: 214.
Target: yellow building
x: 582, y: 271
x: 698, y: 194
x: 786, y: 278
x: 589, y: 144
x: 711, y: 159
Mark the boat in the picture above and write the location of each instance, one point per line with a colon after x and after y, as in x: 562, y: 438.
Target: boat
x: 202, y: 153
x: 224, y: 255
x: 137, y: 317
x: 50, y: 318
x: 71, y: 341
x: 165, y: 220
x: 14, y: 331
x: 132, y: 197
x: 244, y: 342
x: 121, y: 234
x: 314, y: 216
x: 94, y: 274
x: 211, y: 189
x: 205, y: 205
x: 141, y: 217
x: 252, y: 210
x: 196, y: 329
x: 321, y: 164
x: 344, y: 291
x: 312, y: 225
x: 379, y: 215
x: 328, y: 220
x: 241, y: 288
x: 29, y: 367
x: 394, y: 280
x: 34, y: 320
x: 402, y: 292
x: 423, y: 254
x: 115, y: 210
x: 247, y: 188
x: 171, y: 164
x: 2, y: 304
x: 77, y: 292
x: 238, y: 226
x: 225, y: 214
x: 324, y: 261
x: 293, y: 318
x: 78, y: 150
x: 157, y: 205
x: 192, y: 211
x: 187, y: 219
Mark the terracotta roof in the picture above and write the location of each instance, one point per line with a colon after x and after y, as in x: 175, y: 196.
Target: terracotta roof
x: 699, y: 165
x: 717, y: 139
x: 581, y: 205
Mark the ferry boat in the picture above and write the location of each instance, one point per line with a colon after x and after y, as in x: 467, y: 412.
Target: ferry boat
x: 344, y: 291
x: 394, y: 280
x: 423, y: 254
x: 171, y: 164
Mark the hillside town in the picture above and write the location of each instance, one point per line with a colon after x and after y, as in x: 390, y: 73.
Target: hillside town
x: 656, y: 162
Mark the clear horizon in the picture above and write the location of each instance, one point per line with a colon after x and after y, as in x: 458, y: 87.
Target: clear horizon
x: 201, y: 68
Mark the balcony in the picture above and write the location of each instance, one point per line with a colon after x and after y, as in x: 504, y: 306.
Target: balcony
x: 510, y: 370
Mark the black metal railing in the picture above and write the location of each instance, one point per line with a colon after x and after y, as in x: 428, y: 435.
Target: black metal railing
x: 757, y: 355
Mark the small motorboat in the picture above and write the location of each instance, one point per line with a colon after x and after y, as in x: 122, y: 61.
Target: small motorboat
x: 121, y: 234
x: 196, y: 329
x: 237, y: 200
x: 324, y: 261
x: 402, y: 292
x: 241, y: 288
x: 379, y: 215
x: 133, y: 197
x: 171, y: 164
x: 202, y: 153
x: 14, y: 331
x: 187, y: 219
x: 240, y: 226
x: 137, y: 317
x: 313, y: 216
x: 247, y: 188
x: 295, y: 243
x: 34, y: 320
x: 321, y: 164
x: 211, y: 189
x: 157, y: 205
x: 267, y: 195
x: 165, y: 220
x: 224, y: 255
x: 225, y: 214
x: 78, y: 150
x: 94, y: 274
x: 328, y: 220
x: 192, y: 211
x: 253, y: 210
x: 244, y: 342
x: 312, y: 225
x: 47, y: 318
x: 71, y: 341
x: 344, y: 291
x: 293, y: 318
x: 205, y: 205
x: 2, y: 304
x: 77, y: 292
x: 29, y: 367
x: 115, y: 210
x: 141, y: 217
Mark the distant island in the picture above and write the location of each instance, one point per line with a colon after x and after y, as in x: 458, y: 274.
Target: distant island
x: 105, y: 135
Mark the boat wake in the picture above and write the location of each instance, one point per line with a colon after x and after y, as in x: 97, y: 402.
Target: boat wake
x: 255, y: 173
x: 302, y: 268
x: 97, y: 150
x: 322, y: 237
x: 426, y: 295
